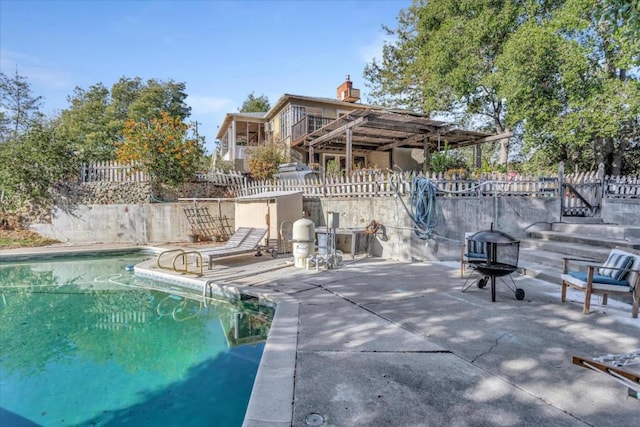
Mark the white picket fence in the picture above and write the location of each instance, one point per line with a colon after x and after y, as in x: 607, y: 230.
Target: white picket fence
x: 623, y: 187
x: 111, y: 172
x: 381, y: 184
x: 221, y: 177
x: 390, y: 184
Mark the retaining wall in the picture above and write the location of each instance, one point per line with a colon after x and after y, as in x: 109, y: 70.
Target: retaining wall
x: 151, y: 223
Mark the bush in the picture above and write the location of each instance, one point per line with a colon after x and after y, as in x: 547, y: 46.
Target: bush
x: 264, y: 161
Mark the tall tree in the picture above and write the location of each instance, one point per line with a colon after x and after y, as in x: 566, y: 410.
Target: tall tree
x: 562, y: 72
x: 573, y: 80
x: 163, y: 147
x: 449, y: 49
x: 95, y: 121
x: 86, y: 124
x: 156, y: 97
x: 19, y: 108
x: 255, y: 104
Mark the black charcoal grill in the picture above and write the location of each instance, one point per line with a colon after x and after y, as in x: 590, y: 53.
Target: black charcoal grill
x: 495, y: 255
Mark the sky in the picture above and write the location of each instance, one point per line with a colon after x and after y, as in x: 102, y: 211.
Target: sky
x: 221, y: 50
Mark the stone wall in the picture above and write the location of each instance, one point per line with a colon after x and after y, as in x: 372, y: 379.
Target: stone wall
x: 107, y: 193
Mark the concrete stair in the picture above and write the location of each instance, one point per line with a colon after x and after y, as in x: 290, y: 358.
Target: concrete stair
x: 541, y: 255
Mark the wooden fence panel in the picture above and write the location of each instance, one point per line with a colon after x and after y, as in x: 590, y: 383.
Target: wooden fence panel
x: 622, y: 187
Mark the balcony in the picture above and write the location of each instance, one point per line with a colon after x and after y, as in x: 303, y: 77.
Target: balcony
x: 305, y: 126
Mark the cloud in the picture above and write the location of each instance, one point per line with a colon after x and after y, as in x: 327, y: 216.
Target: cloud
x: 209, y: 104
x: 38, y: 72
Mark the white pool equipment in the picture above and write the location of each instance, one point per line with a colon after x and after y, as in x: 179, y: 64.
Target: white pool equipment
x: 303, y: 234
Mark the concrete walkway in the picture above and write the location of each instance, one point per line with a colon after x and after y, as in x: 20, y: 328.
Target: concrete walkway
x: 382, y: 343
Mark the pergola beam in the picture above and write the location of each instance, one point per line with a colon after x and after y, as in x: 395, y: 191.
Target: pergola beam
x: 492, y: 138
x: 338, y: 131
x: 407, y: 141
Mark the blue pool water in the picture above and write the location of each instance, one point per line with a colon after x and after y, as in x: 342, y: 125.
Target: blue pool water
x: 82, y: 344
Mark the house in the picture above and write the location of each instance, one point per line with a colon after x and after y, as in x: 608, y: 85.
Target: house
x: 318, y: 131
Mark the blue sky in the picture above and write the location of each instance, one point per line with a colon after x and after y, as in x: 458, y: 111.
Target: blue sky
x: 222, y: 50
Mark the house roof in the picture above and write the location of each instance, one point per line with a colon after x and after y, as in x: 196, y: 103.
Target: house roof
x: 247, y: 117
x: 382, y: 129
x: 282, y: 101
x: 373, y: 128
x: 332, y: 101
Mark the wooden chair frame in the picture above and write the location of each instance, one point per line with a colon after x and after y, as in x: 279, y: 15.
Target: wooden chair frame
x: 591, y: 287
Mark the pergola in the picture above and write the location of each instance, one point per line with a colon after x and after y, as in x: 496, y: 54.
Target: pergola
x: 385, y: 129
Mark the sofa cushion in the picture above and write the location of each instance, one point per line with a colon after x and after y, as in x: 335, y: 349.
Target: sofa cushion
x: 616, y: 266
x: 598, y: 278
x: 476, y: 248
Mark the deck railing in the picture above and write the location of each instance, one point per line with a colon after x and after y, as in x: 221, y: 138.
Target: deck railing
x: 307, y: 125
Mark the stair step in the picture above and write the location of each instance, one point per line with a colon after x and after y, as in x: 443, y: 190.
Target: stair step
x: 558, y: 249
x: 542, y: 272
x: 612, y: 231
x: 581, y: 220
x: 585, y: 239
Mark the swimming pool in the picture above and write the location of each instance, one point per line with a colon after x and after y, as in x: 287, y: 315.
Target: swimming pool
x: 83, y: 344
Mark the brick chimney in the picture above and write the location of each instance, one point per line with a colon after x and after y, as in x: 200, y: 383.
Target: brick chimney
x: 347, y: 93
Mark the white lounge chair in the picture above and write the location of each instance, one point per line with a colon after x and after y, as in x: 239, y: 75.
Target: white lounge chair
x: 244, y: 240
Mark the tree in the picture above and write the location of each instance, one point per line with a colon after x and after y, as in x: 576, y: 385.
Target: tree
x: 94, y: 123
x: 448, y: 49
x: 34, y: 162
x: 563, y: 74
x: 255, y: 104
x: 162, y: 147
x: 87, y: 124
x: 156, y: 98
x: 573, y: 80
x: 398, y: 81
x: 18, y: 107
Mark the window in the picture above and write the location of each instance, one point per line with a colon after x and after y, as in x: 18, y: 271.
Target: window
x: 285, y: 122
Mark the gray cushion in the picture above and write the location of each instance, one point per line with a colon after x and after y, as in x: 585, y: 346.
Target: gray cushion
x: 617, y: 266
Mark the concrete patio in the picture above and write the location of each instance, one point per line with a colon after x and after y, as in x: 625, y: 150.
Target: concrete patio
x: 398, y: 344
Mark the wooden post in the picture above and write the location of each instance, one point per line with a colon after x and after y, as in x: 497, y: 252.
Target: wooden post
x: 349, y: 153
x: 599, y: 187
x: 427, y: 156
x: 561, y: 188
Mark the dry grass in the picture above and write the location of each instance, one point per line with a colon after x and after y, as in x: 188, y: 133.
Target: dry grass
x: 11, y: 239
